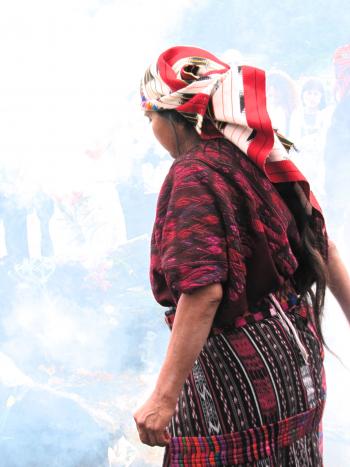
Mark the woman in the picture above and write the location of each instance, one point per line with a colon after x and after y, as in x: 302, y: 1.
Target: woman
x: 237, y: 243
x: 338, y: 142
x: 282, y: 98
x: 308, y: 131
x: 311, y: 117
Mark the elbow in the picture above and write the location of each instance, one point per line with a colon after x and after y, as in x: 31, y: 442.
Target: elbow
x: 216, y: 293
x: 211, y: 294
x: 203, y: 301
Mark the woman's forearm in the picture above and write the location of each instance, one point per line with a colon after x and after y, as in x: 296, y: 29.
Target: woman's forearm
x: 339, y: 280
x: 193, y: 320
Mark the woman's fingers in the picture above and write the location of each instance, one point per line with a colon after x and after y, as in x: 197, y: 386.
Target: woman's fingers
x: 164, y: 438
x: 152, y: 436
x: 148, y: 438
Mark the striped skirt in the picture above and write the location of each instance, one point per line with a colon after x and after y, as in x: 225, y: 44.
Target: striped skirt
x: 252, y: 398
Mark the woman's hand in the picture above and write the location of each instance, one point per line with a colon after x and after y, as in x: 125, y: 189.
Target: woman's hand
x: 152, y: 420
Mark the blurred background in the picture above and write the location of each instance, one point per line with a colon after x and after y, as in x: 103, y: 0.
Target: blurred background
x: 81, y: 337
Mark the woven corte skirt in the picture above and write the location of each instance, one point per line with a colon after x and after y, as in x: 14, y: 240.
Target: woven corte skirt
x: 252, y: 399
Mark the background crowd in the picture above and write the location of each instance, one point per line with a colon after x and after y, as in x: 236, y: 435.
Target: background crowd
x: 94, y: 219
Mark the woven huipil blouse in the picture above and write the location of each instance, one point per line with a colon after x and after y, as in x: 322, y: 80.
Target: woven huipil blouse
x: 219, y: 219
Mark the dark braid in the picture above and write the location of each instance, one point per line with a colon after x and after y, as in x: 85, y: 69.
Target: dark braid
x: 312, y: 274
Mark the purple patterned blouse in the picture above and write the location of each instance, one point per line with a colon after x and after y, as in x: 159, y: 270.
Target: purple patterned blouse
x: 219, y: 219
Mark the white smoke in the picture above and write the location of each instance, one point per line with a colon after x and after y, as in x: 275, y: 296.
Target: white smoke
x: 81, y: 337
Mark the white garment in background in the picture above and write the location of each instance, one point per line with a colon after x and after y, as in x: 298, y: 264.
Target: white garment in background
x: 89, y: 222
x: 310, y: 141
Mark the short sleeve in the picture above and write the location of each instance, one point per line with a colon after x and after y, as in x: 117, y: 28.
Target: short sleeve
x: 193, y: 245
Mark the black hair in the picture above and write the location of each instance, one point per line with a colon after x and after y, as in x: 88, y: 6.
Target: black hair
x: 175, y: 118
x: 311, y: 275
x: 314, y: 84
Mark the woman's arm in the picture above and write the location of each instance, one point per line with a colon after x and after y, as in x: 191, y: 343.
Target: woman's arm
x: 194, y: 317
x: 339, y: 280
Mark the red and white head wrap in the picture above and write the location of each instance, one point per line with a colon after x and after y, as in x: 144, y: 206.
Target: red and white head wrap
x: 222, y: 101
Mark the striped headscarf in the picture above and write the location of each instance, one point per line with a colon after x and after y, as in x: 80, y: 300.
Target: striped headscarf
x: 222, y: 101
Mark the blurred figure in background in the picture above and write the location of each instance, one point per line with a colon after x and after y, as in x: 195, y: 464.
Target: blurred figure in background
x: 337, y: 149
x: 282, y: 100
x: 88, y: 223
x: 13, y: 214
x: 139, y: 194
x: 43, y: 206
x: 308, y: 130
x: 313, y: 99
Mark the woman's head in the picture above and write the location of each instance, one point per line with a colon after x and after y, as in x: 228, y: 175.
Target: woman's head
x: 313, y: 94
x: 173, y: 131
x: 183, y: 81
x: 281, y: 90
x: 192, y: 82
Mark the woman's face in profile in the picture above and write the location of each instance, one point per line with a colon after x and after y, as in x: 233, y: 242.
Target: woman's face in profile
x: 163, y: 130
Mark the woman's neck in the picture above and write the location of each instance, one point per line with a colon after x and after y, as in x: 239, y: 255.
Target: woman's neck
x: 187, y: 142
